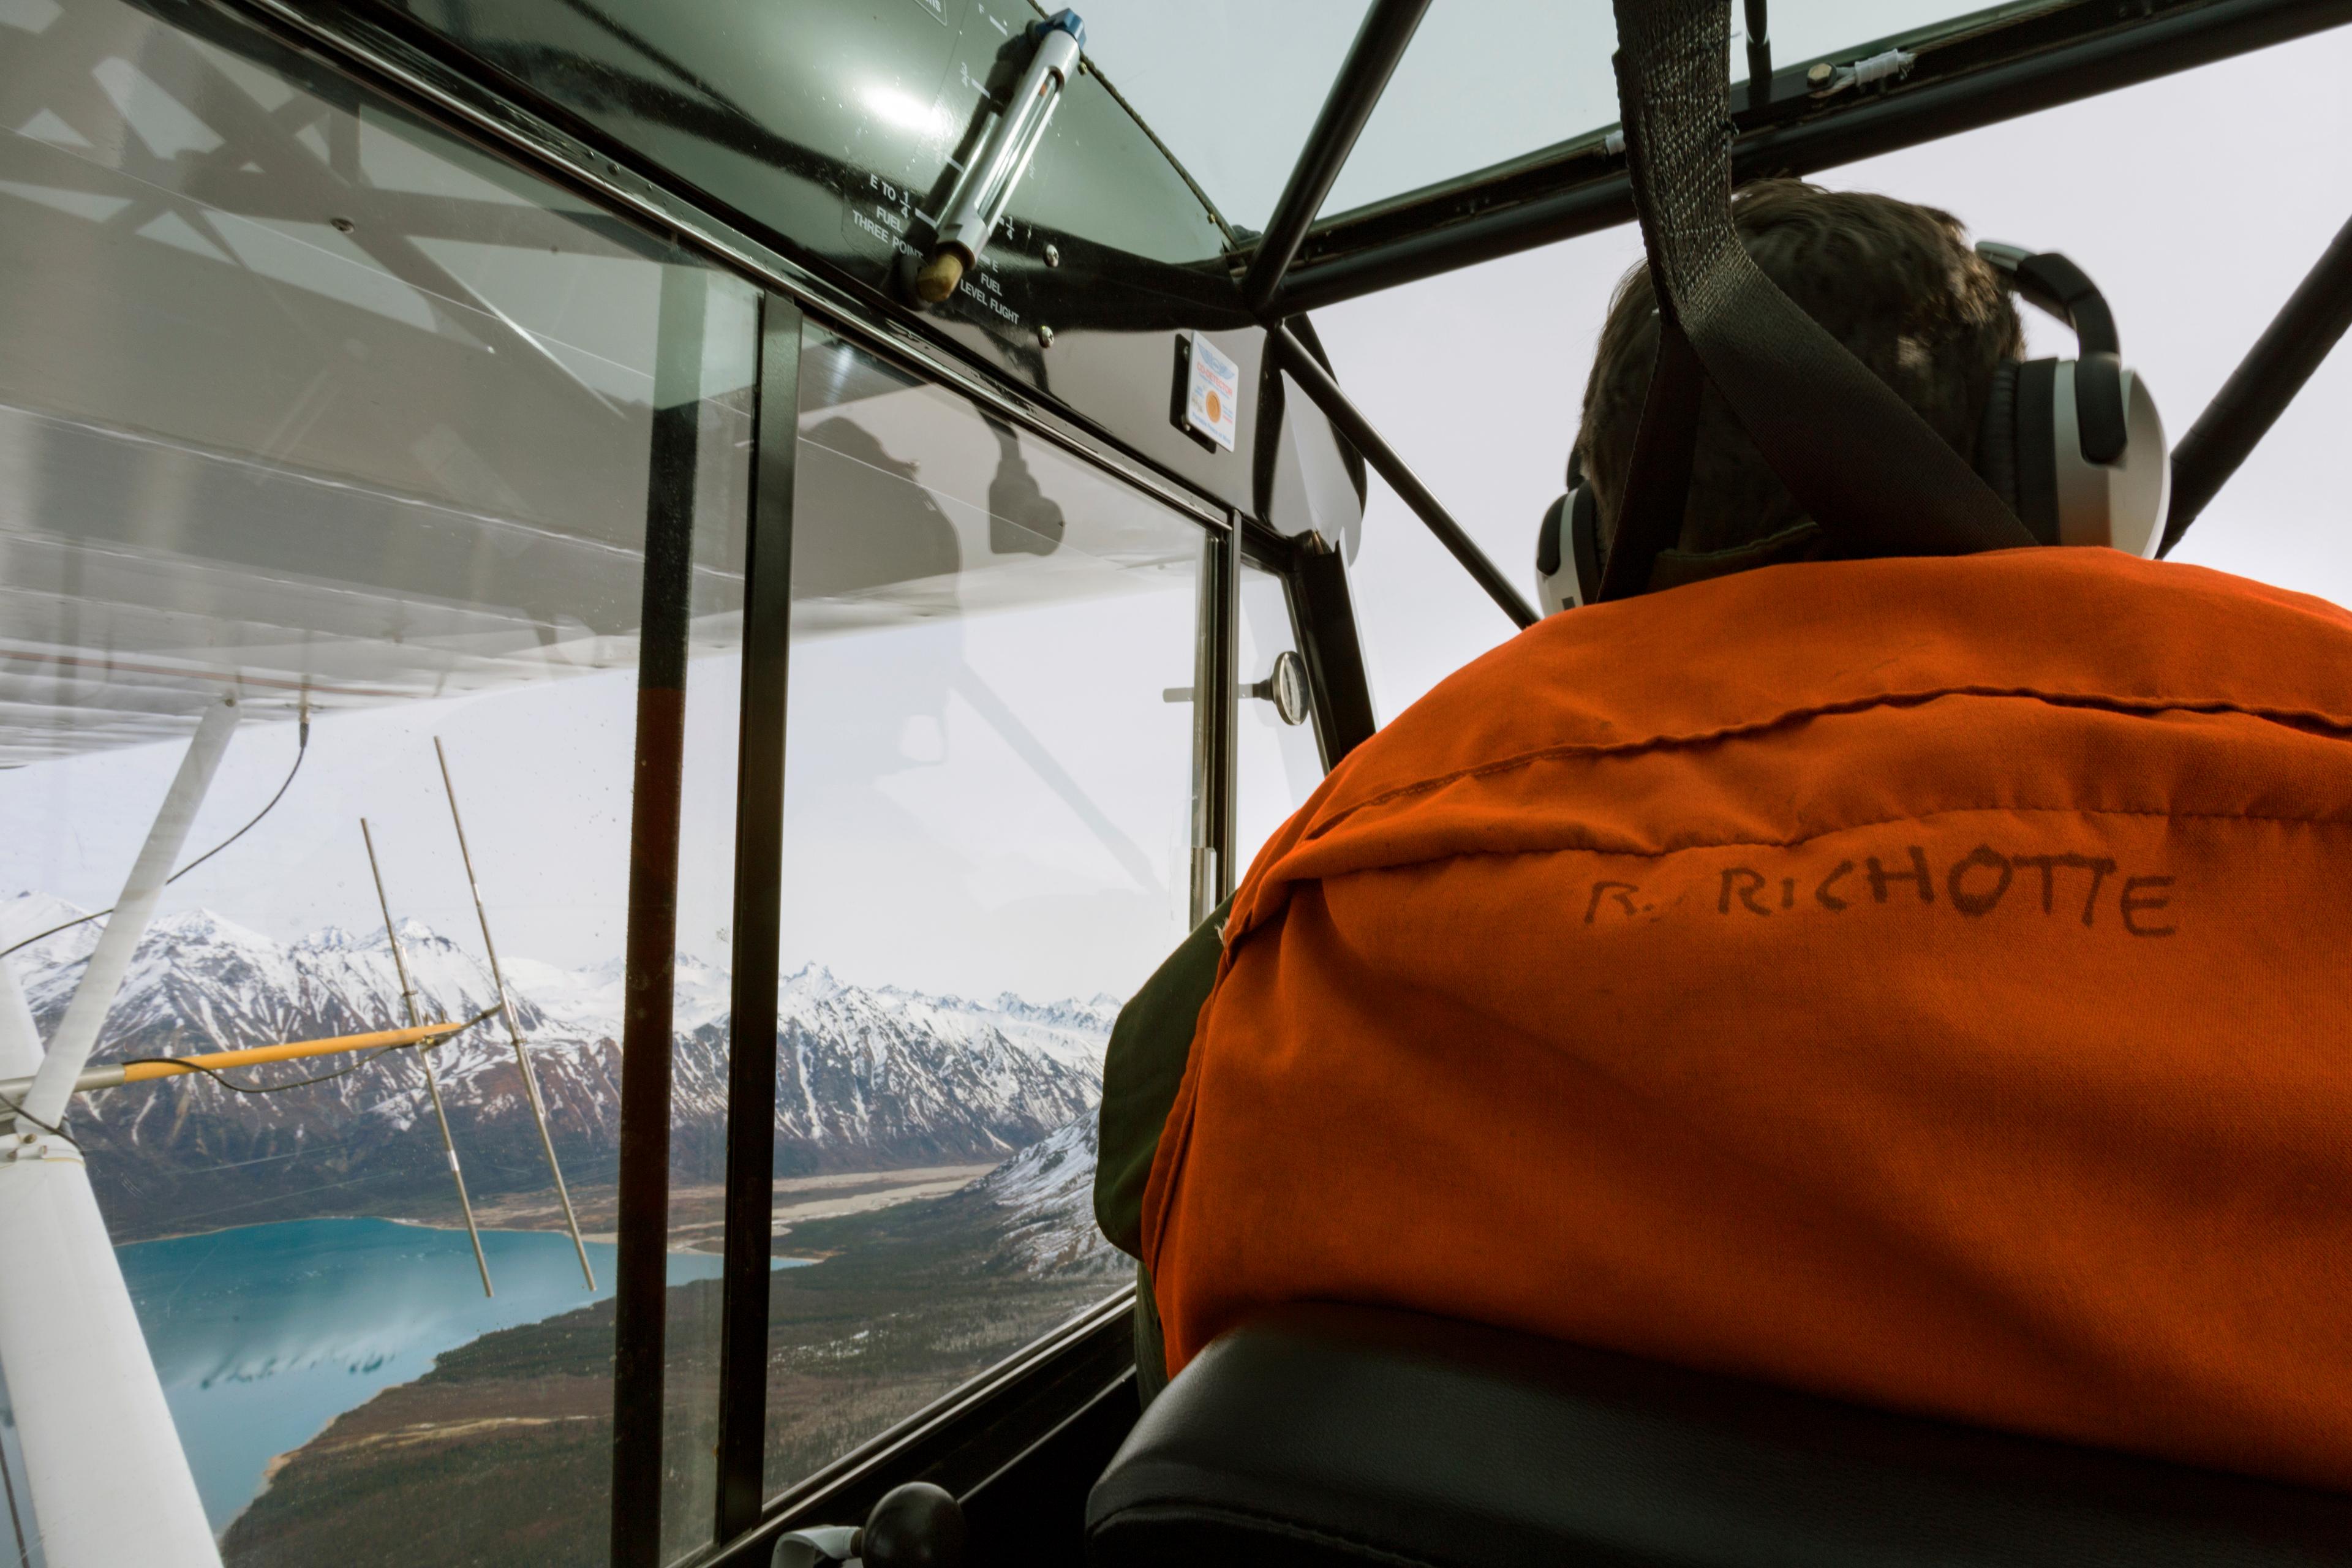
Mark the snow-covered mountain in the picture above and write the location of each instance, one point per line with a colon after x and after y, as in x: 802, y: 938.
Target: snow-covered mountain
x: 868, y: 1077
x: 27, y: 914
x: 1047, y: 1194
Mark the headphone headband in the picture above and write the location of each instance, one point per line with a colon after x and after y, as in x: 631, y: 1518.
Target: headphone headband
x: 2052, y: 284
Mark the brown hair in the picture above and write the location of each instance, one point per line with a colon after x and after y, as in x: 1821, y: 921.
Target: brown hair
x: 1897, y: 283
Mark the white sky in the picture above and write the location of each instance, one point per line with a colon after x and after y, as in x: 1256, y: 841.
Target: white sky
x: 2196, y: 202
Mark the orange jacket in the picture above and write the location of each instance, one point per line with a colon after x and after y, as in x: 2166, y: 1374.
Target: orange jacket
x: 1924, y: 982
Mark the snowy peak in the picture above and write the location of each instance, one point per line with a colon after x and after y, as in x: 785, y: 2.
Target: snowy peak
x: 200, y: 981
x: 28, y: 914
x: 413, y: 933
x: 334, y: 939
x: 192, y: 928
x: 1072, y: 1032
x: 1095, y: 1014
x: 812, y: 980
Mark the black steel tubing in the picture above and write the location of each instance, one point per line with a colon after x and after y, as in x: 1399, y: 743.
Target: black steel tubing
x: 1318, y: 384
x: 1379, y: 44
x: 2310, y: 324
x: 1223, y: 702
x: 641, y: 1266
x: 1906, y: 118
x: 758, y: 925
x: 1760, y: 53
x: 1326, y: 616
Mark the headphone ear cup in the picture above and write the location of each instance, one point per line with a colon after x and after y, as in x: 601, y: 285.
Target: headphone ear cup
x: 2037, y: 448
x: 1997, y: 434
x: 1555, y: 590
x: 1584, y: 543
x: 2119, y: 502
x: 1568, y: 552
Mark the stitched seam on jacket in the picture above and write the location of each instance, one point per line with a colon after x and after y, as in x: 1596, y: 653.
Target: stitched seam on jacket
x: 1804, y: 838
x: 2294, y: 718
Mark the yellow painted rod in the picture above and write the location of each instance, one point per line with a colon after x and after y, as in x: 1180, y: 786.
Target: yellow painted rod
x: 381, y: 1040
x: 140, y: 1072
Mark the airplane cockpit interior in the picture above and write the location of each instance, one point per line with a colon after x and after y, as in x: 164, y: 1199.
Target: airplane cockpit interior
x: 630, y: 632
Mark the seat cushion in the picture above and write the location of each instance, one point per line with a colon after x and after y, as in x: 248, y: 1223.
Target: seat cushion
x: 1326, y: 1435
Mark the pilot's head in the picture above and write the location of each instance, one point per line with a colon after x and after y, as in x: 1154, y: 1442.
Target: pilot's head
x: 1897, y: 283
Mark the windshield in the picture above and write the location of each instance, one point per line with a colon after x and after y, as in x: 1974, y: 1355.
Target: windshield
x: 1233, y: 87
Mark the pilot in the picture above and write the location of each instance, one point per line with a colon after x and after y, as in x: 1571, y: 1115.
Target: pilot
x: 1917, y: 980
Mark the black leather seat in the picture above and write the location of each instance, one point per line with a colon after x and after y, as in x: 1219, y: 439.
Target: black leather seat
x: 1347, y: 1435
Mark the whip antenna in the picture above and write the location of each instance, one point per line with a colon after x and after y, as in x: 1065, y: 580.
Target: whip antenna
x: 432, y: 1076
x: 514, y: 1030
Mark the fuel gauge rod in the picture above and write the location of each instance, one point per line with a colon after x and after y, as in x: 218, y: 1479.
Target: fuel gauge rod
x: 977, y: 202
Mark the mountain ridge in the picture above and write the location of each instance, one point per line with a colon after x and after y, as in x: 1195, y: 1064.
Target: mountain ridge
x: 868, y: 1078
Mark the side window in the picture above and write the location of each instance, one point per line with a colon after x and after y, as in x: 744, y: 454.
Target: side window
x: 987, y: 838
x: 328, y: 452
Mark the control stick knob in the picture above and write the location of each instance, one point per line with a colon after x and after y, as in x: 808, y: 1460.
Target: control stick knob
x: 917, y: 1525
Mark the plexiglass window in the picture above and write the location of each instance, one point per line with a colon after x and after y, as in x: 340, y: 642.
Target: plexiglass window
x: 987, y: 833
x: 327, y: 439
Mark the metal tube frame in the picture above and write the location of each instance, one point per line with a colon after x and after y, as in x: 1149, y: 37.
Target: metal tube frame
x: 1758, y: 18
x: 2299, y: 338
x: 650, y: 965
x: 1323, y: 616
x: 757, y: 925
x: 1321, y: 386
x: 1584, y: 188
x: 1215, y: 664
x: 1387, y: 32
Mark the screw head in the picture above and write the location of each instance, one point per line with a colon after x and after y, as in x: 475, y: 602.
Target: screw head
x: 1819, y: 75
x: 342, y: 224
x: 1053, y: 256
x: 1044, y: 337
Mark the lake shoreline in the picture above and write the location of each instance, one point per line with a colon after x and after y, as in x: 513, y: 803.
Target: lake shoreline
x: 263, y: 1336
x: 796, y: 1199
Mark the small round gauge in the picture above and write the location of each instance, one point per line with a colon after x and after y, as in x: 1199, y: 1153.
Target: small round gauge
x: 1286, y: 685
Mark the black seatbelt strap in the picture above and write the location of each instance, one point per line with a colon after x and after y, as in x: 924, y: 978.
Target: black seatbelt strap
x: 1869, y: 470
x: 1657, y: 484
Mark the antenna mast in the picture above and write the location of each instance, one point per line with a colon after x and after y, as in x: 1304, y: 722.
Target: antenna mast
x: 514, y: 1030
x: 432, y: 1076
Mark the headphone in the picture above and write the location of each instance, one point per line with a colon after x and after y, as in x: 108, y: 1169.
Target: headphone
x: 2075, y: 445
x: 1568, y: 546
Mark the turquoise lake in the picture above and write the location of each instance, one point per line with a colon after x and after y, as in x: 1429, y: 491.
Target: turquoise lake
x: 266, y: 1333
